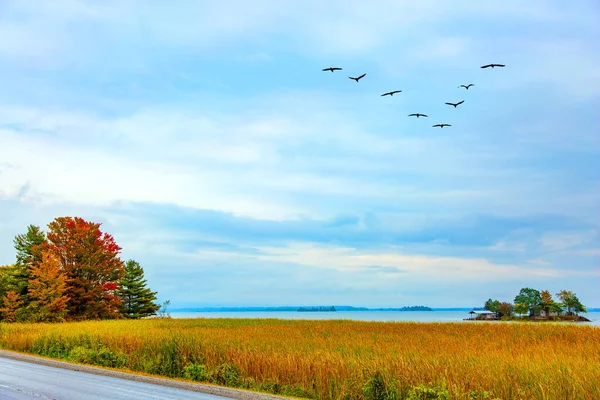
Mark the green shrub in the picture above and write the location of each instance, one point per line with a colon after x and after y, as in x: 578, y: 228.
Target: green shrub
x: 101, y: 356
x: 377, y: 389
x: 423, y: 392
x: 226, y: 374
x: 196, y: 372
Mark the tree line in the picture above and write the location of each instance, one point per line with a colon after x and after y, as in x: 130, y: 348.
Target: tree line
x: 531, y: 302
x: 72, y: 272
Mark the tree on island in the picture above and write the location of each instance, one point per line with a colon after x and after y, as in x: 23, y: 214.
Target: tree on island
x: 570, y: 301
x: 530, y: 297
x: 137, y: 299
x: 521, y: 308
x: 548, y: 304
x: 492, y: 305
x: 505, y: 309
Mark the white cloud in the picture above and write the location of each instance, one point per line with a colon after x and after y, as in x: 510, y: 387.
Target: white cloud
x: 556, y: 241
x: 264, y: 165
x: 416, y: 267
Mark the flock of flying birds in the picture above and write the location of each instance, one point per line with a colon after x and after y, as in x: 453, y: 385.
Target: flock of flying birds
x: 332, y: 69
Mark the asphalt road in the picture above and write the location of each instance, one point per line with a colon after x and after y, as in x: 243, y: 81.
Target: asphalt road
x: 21, y: 380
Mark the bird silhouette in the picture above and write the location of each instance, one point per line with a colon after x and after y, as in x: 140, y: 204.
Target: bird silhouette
x: 391, y: 93
x: 455, y: 104
x: 440, y: 125
x: 332, y: 69
x: 466, y: 86
x: 417, y: 115
x: 492, y: 65
x: 357, y: 79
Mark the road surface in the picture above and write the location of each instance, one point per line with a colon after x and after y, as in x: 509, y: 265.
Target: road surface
x: 24, y: 377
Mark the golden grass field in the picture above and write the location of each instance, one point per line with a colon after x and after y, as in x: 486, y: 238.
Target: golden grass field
x: 338, y: 359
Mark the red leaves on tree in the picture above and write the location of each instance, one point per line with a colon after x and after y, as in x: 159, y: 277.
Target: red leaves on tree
x: 90, y: 260
x: 47, y: 289
x: 109, y: 286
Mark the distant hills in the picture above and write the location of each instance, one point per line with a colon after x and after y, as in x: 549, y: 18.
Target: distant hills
x: 298, y: 308
x: 328, y: 308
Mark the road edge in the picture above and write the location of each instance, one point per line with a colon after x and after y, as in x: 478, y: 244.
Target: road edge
x: 232, y: 393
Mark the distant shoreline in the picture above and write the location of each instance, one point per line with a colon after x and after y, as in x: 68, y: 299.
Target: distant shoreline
x: 310, y: 309
x: 338, y: 309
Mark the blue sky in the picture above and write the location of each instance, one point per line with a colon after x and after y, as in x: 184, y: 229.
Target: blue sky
x: 206, y: 139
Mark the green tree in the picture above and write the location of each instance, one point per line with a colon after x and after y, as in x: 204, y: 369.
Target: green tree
x: 556, y: 307
x: 577, y: 306
x: 531, y: 297
x: 6, y: 278
x: 28, y: 246
x: 567, y: 299
x: 29, y: 252
x: 492, y: 305
x: 137, y: 299
x: 521, y: 308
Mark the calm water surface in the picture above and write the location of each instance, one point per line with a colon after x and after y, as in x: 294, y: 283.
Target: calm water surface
x: 417, y: 316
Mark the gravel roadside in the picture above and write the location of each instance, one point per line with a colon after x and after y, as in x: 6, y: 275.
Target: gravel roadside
x: 195, y: 387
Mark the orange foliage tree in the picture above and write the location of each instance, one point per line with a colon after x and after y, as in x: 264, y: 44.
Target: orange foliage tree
x: 11, y: 302
x: 47, y: 289
x: 89, y: 259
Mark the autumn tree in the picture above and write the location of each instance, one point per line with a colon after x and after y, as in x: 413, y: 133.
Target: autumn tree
x: 531, y: 297
x: 29, y: 252
x: 47, y: 290
x: 11, y: 302
x: 137, y: 299
x: 547, y: 301
x: 505, y: 309
x: 89, y: 259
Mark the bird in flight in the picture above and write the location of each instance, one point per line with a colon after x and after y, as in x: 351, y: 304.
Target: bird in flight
x: 417, y: 115
x: 455, y: 104
x: 492, y: 65
x: 391, y: 93
x: 466, y: 86
x: 357, y: 79
x: 440, y: 125
x: 332, y: 69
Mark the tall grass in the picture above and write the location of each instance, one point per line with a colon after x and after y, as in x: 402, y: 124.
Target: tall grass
x: 338, y: 359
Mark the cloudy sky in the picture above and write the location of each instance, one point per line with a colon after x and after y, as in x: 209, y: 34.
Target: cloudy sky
x: 205, y: 138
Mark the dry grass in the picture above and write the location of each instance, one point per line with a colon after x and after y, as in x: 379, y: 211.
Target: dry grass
x: 338, y: 359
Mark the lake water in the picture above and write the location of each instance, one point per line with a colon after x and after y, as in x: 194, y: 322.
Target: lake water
x: 417, y: 316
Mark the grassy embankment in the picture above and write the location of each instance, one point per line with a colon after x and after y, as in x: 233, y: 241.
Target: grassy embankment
x: 337, y: 359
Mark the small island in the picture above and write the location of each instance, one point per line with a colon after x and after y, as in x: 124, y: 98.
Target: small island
x: 532, y: 305
x: 405, y: 308
x: 317, y: 309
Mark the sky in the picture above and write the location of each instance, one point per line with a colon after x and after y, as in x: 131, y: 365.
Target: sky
x: 205, y: 137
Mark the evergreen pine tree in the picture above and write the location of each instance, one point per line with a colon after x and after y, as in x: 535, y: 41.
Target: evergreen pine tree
x: 137, y: 299
x: 29, y: 252
x: 28, y: 245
